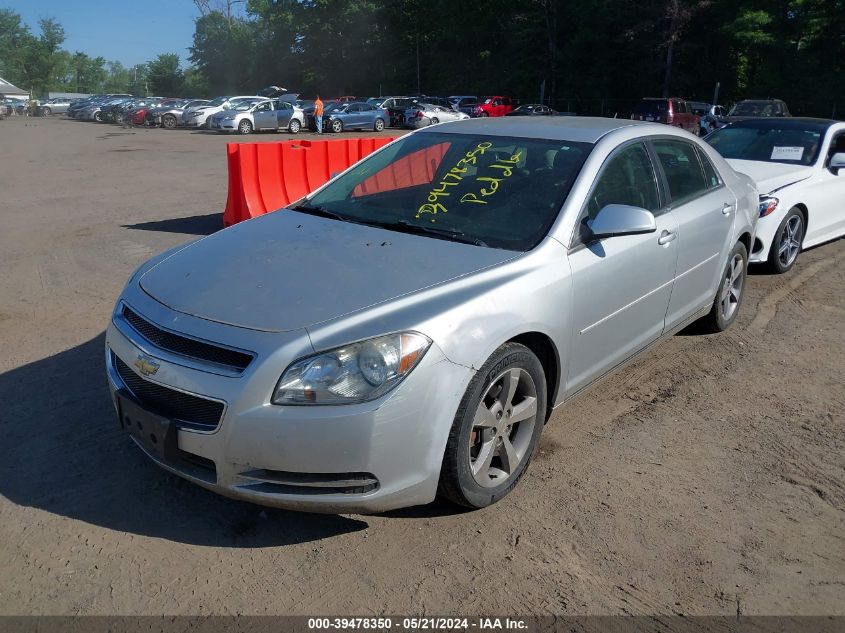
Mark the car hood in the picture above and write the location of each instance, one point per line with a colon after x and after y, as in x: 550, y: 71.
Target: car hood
x: 771, y: 176
x: 288, y: 270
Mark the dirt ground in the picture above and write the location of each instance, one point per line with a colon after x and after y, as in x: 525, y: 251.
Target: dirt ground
x: 707, y: 478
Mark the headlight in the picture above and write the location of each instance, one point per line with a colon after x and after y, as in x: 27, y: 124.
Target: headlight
x: 767, y: 205
x: 353, y: 373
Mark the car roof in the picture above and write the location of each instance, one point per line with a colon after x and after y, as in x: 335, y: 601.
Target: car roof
x: 575, y: 129
x: 785, y: 122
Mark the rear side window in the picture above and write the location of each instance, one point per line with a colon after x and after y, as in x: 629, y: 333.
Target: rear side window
x: 627, y: 178
x: 711, y: 176
x: 683, y: 170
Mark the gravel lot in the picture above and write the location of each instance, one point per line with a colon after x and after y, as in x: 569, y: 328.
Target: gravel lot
x: 707, y: 478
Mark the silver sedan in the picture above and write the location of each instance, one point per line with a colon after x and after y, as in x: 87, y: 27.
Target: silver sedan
x: 425, y: 114
x: 408, y: 328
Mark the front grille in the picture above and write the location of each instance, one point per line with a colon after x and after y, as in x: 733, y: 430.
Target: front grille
x: 169, y: 403
x: 185, y: 346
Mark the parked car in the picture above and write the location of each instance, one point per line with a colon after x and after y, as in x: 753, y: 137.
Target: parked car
x: 395, y: 107
x: 459, y: 101
x: 198, y: 115
x: 170, y: 116
x: 93, y: 111
x: 570, y: 245
x: 358, y: 115
x: 95, y: 100
x: 708, y: 116
x: 267, y: 114
x: 751, y: 108
x: 425, y: 114
x: 533, y: 109
x: 57, y: 105
x: 116, y: 111
x: 799, y: 167
x: 672, y: 111
x: 489, y: 106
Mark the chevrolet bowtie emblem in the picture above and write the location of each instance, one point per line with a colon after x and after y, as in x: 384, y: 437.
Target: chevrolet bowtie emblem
x: 146, y: 365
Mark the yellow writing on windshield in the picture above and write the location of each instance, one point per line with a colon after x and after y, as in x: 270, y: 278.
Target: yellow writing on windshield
x: 436, y: 197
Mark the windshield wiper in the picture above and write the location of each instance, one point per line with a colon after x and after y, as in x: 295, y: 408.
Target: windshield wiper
x: 321, y: 212
x: 416, y: 229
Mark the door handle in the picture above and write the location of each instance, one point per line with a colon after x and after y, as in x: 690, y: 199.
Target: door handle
x: 666, y: 237
x: 727, y: 208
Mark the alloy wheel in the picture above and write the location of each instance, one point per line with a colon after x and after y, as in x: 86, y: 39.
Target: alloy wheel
x: 732, y: 287
x: 503, y: 427
x: 789, y: 242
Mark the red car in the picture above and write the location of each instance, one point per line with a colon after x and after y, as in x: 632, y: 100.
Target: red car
x: 672, y: 111
x: 489, y: 106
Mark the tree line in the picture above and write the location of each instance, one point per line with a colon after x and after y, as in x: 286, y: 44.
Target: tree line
x: 590, y: 56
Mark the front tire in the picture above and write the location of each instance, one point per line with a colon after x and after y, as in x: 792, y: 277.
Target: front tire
x: 294, y: 126
x: 379, y: 125
x: 337, y: 126
x: 169, y: 122
x: 786, y: 245
x: 245, y: 127
x: 496, y: 429
x: 730, y: 293
x: 98, y: 117
x: 46, y: 111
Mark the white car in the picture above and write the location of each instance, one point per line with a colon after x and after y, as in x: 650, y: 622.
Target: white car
x: 198, y: 116
x: 266, y: 114
x: 425, y: 114
x: 799, y: 167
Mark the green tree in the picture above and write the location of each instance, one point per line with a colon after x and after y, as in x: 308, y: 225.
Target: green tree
x: 164, y: 76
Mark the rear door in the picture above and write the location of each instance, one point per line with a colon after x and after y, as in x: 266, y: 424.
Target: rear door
x: 284, y: 112
x: 621, y: 285
x: 704, y: 209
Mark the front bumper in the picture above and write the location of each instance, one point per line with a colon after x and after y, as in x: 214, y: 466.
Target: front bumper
x: 364, y: 458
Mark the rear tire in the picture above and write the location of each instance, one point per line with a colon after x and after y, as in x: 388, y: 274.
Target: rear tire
x: 496, y: 429
x: 731, y: 290
x: 98, y: 117
x: 169, y: 122
x: 46, y: 111
x: 434, y: 121
x: 786, y: 245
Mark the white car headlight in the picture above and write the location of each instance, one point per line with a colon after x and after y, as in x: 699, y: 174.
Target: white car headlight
x: 767, y: 205
x: 357, y: 372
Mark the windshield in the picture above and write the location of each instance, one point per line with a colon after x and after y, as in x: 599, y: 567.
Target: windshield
x: 753, y: 108
x: 793, y: 145
x: 219, y: 101
x: 500, y: 192
x: 242, y: 106
x: 334, y: 107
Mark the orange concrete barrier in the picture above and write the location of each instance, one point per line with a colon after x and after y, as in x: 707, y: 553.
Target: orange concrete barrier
x: 264, y: 177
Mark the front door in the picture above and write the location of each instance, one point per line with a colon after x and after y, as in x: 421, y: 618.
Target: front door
x: 825, y: 194
x: 621, y: 285
x: 264, y: 116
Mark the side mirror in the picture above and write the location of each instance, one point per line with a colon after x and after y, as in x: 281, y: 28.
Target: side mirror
x: 615, y: 220
x: 837, y: 161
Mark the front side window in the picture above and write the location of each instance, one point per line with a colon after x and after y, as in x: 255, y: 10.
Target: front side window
x: 684, y: 174
x: 501, y: 192
x: 627, y: 178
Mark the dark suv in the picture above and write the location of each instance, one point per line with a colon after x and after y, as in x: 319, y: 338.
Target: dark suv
x: 671, y: 111
x: 752, y: 108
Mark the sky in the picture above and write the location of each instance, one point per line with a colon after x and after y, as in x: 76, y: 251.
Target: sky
x: 129, y: 31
